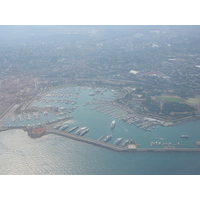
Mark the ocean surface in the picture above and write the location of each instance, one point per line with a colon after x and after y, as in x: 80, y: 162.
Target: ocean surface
x: 19, y: 154
x: 57, y: 155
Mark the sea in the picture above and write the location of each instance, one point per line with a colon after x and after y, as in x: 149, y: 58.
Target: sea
x: 57, y: 155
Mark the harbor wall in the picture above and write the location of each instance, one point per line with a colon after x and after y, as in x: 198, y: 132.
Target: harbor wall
x: 168, y: 150
x: 118, y: 148
x: 107, y: 145
x: 87, y: 140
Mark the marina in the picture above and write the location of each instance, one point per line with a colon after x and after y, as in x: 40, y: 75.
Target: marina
x: 72, y: 110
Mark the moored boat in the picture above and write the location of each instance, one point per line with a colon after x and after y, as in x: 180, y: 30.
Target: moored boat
x: 125, y: 143
x: 184, y: 136
x: 57, y: 126
x: 63, y: 127
x: 72, y: 129
x: 80, y: 130
x: 108, y: 137
x: 84, y: 131
x: 112, y: 125
x: 117, y: 141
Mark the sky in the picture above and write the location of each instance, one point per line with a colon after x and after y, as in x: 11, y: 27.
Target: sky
x: 99, y: 12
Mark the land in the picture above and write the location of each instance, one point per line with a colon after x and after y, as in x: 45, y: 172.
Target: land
x: 154, y: 69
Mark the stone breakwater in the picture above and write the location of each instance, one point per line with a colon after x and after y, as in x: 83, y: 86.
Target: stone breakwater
x: 87, y: 140
x: 127, y: 148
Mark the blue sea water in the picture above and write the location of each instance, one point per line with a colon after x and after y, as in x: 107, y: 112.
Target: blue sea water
x: 52, y: 154
x: 57, y: 155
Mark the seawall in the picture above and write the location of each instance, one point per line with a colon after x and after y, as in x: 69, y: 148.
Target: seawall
x: 127, y: 148
x: 87, y: 140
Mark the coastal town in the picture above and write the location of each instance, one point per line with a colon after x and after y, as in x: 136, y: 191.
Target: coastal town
x: 154, y: 73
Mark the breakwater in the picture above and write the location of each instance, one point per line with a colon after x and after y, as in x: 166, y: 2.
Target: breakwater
x: 168, y: 150
x: 127, y: 148
x: 87, y: 140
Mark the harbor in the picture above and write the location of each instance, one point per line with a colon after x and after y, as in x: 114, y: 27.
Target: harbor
x: 59, y: 103
x: 67, y: 111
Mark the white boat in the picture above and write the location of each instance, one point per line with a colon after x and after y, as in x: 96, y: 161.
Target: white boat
x: 125, y: 143
x: 57, y: 126
x: 63, y: 127
x: 117, y: 141
x: 80, y: 130
x: 72, y: 129
x: 84, y: 131
x: 108, y: 137
x: 112, y: 125
x: 184, y: 136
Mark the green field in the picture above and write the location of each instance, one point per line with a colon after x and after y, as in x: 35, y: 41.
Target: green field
x: 171, y: 99
x: 193, y: 101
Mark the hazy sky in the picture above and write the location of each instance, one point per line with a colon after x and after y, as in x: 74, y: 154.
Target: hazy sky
x: 99, y: 12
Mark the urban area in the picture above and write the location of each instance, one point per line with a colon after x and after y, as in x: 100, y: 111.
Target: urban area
x: 154, y: 70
